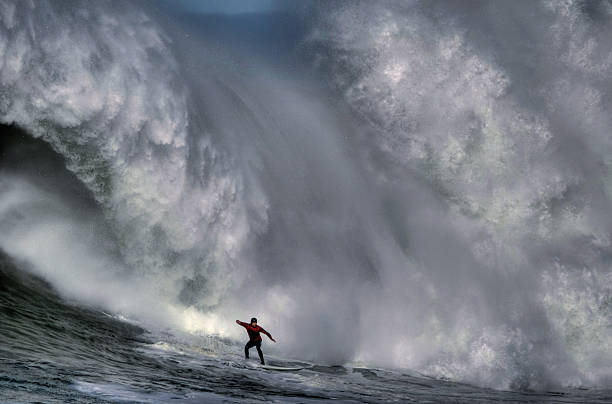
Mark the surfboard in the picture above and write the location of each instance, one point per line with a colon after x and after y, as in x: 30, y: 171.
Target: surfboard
x: 281, y: 368
x: 290, y: 366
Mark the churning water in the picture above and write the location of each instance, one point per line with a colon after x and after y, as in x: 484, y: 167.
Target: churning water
x: 412, y: 197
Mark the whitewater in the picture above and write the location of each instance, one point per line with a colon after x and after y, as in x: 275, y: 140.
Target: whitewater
x: 412, y: 197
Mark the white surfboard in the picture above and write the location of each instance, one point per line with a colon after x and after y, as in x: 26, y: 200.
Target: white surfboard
x: 281, y: 368
x: 256, y: 365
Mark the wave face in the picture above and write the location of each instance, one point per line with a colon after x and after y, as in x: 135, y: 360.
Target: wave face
x: 99, y: 84
x: 432, y: 194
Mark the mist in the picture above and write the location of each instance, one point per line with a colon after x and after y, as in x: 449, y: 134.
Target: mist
x: 398, y: 184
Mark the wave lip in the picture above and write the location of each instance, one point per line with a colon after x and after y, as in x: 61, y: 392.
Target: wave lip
x: 101, y: 86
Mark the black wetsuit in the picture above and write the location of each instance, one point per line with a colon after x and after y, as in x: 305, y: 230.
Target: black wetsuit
x: 256, y: 344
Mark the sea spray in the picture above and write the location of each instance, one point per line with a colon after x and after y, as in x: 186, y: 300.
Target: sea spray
x: 441, y: 207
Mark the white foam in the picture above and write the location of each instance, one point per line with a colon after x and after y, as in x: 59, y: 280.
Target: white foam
x: 495, y: 128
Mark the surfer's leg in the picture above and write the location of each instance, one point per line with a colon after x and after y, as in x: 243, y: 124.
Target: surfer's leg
x: 258, y: 346
x: 248, y: 346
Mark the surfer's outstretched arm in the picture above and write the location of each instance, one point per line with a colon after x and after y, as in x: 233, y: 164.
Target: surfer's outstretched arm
x: 267, y: 334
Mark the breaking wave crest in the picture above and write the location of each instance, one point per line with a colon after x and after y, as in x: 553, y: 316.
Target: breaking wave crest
x: 437, y: 202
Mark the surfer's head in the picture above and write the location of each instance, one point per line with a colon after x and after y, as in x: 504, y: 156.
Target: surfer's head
x: 253, y: 321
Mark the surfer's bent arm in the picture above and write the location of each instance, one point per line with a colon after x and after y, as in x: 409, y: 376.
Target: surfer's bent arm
x: 266, y: 333
x: 241, y: 323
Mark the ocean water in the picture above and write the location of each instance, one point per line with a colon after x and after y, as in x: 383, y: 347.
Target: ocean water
x: 58, y: 351
x: 412, y: 197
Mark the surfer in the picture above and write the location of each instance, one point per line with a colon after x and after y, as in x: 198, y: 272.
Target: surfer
x: 254, y: 338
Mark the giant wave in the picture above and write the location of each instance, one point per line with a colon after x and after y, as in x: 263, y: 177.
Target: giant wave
x: 430, y: 193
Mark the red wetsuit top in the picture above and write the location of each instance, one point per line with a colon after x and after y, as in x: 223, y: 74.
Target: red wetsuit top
x: 254, y: 331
